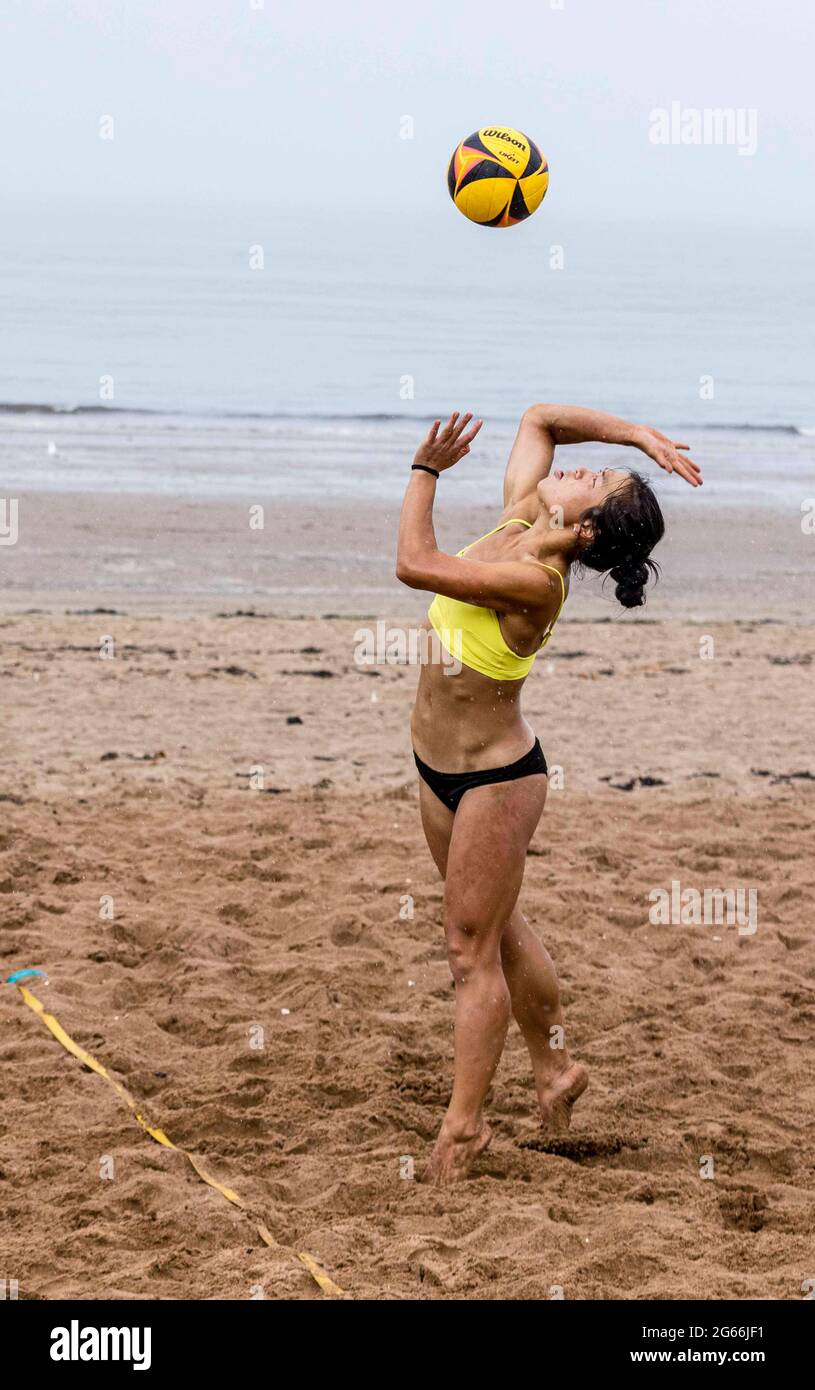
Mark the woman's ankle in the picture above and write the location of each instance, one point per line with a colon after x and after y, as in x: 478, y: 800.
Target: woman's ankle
x: 461, y: 1129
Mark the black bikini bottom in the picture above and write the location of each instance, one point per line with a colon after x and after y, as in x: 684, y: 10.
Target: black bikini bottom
x: 450, y: 787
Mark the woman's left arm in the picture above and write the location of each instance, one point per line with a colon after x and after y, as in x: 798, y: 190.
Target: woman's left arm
x: 439, y: 450
x: 544, y: 427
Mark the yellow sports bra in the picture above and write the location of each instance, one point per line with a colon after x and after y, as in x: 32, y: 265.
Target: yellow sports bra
x: 473, y: 635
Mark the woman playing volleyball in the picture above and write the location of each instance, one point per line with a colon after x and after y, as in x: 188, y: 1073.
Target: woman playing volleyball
x: 483, y: 773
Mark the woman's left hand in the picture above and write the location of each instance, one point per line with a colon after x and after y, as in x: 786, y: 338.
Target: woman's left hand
x: 444, y: 447
x: 668, y: 453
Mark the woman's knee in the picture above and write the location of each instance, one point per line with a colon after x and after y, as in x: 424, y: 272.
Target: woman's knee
x: 471, y: 945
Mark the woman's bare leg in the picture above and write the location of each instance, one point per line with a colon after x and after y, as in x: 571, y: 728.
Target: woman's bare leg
x: 533, y: 986
x: 532, y: 983
x: 486, y: 858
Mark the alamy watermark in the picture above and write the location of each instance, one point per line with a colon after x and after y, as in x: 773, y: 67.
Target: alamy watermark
x: 9, y: 520
x: 397, y: 646
x: 75, y: 1343
x: 705, y: 125
x: 708, y: 907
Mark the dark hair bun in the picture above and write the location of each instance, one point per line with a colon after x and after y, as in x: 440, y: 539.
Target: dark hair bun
x: 624, y: 527
x: 631, y: 581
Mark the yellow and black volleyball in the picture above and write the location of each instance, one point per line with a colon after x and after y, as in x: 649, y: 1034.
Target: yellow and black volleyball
x: 497, y: 177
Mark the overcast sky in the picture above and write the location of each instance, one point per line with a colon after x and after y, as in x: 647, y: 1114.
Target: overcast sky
x: 299, y: 104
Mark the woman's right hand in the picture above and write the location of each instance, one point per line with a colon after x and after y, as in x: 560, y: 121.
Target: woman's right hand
x: 440, y: 450
x: 666, y: 452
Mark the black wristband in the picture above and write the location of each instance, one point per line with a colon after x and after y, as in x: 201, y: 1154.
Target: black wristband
x: 425, y: 469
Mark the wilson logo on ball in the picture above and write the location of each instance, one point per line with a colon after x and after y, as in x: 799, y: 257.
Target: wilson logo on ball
x: 505, y: 135
x: 494, y: 185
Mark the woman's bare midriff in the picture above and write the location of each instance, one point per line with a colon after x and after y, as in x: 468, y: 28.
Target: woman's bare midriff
x: 464, y: 722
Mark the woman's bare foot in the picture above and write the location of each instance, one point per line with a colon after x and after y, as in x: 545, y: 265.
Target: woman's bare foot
x: 454, y: 1154
x: 558, y: 1096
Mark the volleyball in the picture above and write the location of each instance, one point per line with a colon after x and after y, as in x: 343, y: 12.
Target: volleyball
x: 497, y: 176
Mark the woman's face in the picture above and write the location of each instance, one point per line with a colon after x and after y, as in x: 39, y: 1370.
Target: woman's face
x: 566, y: 496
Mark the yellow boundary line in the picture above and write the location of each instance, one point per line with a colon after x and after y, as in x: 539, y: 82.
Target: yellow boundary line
x: 54, y: 1026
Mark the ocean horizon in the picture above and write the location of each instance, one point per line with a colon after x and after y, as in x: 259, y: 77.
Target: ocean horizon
x: 257, y: 311
x: 251, y: 352
x: 99, y: 450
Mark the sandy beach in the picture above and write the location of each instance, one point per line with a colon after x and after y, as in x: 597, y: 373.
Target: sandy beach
x: 197, y: 753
